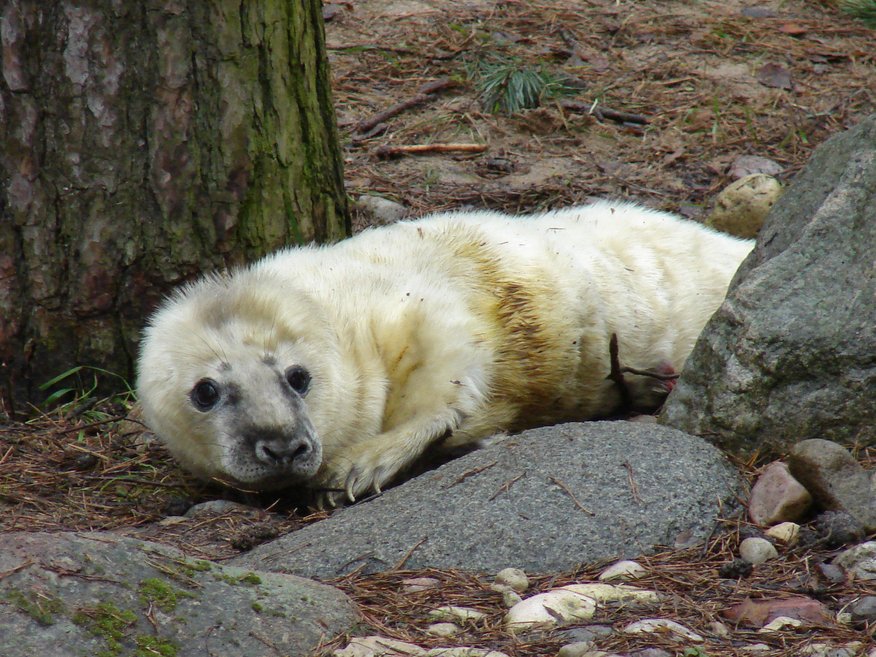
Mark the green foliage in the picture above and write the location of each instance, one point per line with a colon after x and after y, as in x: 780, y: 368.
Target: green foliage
x: 863, y: 10
x: 694, y: 652
x: 509, y: 86
x: 41, y: 608
x: 81, y: 389
x: 161, y: 594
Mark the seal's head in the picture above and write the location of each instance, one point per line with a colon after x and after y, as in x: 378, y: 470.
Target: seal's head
x: 233, y: 381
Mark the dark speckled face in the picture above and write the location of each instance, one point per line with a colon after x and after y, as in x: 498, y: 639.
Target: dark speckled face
x: 256, y: 416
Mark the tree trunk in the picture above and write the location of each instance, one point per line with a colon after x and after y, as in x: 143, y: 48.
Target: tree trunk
x: 140, y: 144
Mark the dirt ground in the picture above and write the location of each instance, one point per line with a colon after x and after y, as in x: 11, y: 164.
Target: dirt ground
x: 653, y: 100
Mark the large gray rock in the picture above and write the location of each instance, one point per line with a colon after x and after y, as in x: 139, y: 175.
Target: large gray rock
x: 791, y: 354
x: 545, y: 500
x: 99, y: 594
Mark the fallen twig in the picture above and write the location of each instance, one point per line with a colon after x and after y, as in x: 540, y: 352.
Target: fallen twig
x: 572, y: 495
x: 602, y: 112
x: 419, y: 149
x: 425, y: 93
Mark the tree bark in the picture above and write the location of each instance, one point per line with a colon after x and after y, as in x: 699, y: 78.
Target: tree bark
x: 143, y: 143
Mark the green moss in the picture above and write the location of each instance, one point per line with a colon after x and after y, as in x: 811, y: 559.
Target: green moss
x: 257, y: 607
x: 42, y: 608
x: 149, y: 646
x: 154, y: 591
x: 250, y: 579
x: 107, y: 622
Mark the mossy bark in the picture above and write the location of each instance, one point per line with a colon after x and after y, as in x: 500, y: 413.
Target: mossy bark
x: 141, y: 144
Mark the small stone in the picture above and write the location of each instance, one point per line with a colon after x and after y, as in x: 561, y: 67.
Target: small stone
x: 859, y: 561
x: 832, y: 573
x: 651, y: 652
x: 863, y: 610
x: 443, y: 629
x: 835, y: 479
x: 742, y: 206
x: 511, y: 598
x: 603, y: 593
x: 547, y: 610
x: 585, y: 633
x: 838, y: 528
x: 378, y: 646
x: 827, y: 650
x: 664, y: 627
x: 719, y: 629
x: 757, y: 550
x: 736, y: 569
x: 745, y: 165
x: 462, y: 652
x: 414, y: 584
x: 218, y: 508
x: 382, y: 210
x: 785, y: 532
x: 578, y: 649
x: 777, y: 497
x: 451, y: 614
x: 624, y: 570
x: 512, y: 579
x: 780, y: 623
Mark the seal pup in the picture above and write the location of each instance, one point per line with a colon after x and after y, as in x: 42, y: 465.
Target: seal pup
x: 337, y: 366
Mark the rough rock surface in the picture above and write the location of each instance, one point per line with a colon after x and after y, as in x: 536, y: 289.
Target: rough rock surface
x: 96, y: 594
x: 545, y: 500
x: 835, y: 479
x: 791, y: 354
x: 777, y: 496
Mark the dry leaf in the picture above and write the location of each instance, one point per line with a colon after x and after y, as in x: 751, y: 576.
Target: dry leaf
x: 757, y: 613
x: 792, y: 29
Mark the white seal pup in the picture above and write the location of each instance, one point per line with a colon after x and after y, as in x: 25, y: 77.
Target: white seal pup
x: 338, y: 366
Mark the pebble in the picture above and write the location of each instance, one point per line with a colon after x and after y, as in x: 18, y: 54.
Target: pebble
x: 463, y: 652
x: 719, y: 629
x: 452, y: 614
x: 863, y: 610
x: 443, y: 629
x: 785, y: 532
x: 742, y: 206
x: 510, y: 579
x: 664, y: 626
x: 624, y: 570
x: 835, y: 479
x: 838, y: 528
x: 651, y: 652
x: 832, y: 573
x: 585, y: 633
x: 547, y: 610
x: 602, y: 593
x: 777, y: 496
x: 859, y: 561
x: 780, y: 623
x: 382, y: 210
x: 377, y: 646
x: 826, y: 650
x: 414, y: 584
x: 577, y: 649
x: 757, y: 550
x: 511, y: 598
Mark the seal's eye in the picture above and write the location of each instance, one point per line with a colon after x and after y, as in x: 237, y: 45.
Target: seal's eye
x: 298, y: 379
x: 205, y: 394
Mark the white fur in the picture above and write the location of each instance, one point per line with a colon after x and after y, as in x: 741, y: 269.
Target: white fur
x: 459, y: 324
